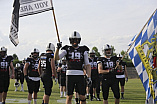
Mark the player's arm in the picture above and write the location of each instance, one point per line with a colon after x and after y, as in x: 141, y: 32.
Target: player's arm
x: 59, y: 69
x: 39, y: 68
x: 12, y: 68
x: 87, y: 66
x: 126, y: 73
x: 26, y: 68
x: 56, y: 55
x: 53, y: 67
x: 100, y: 69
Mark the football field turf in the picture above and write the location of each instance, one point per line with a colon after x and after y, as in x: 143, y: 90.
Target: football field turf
x: 134, y: 94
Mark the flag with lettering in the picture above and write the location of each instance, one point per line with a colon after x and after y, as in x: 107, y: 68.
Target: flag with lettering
x: 30, y: 7
x: 142, y: 53
x: 14, y: 23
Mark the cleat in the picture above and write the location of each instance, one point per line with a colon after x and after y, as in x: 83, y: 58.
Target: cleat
x: 98, y: 99
x: 122, y: 97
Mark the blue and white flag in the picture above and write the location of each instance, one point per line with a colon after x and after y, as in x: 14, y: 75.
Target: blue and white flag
x: 142, y: 53
x: 132, y: 40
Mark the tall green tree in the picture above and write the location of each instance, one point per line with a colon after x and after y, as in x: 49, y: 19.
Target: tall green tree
x: 96, y: 51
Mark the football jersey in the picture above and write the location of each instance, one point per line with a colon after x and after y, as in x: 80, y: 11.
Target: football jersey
x: 5, y: 64
x: 94, y: 68
x: 33, y: 67
x: 45, y: 64
x: 63, y: 69
x: 108, y: 64
x: 75, y: 57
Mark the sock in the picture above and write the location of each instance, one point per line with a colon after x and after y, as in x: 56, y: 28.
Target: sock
x: 29, y: 101
x: 61, y: 93
x: 98, y: 96
x: 64, y: 93
x: 35, y: 101
x: 21, y: 86
x: 43, y: 102
x: 122, y: 93
x: 76, y: 99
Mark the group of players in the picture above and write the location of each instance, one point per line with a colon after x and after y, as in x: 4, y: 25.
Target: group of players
x: 78, y: 71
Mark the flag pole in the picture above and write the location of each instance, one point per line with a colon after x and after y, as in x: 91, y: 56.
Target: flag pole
x: 54, y: 17
x: 137, y: 36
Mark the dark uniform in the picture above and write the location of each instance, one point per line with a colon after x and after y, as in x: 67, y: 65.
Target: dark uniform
x: 109, y: 79
x: 94, y: 74
x: 63, y: 74
x: 4, y: 73
x: 74, y: 74
x: 19, y: 75
x: 32, y: 83
x: 120, y: 74
x: 46, y: 76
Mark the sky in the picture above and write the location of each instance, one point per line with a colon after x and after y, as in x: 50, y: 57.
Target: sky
x: 99, y: 22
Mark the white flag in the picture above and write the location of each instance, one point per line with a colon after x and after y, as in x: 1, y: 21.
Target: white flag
x: 30, y: 7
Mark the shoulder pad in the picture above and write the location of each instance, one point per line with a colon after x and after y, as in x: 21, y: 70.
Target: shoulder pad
x: 85, y: 48
x: 10, y: 57
x: 65, y: 47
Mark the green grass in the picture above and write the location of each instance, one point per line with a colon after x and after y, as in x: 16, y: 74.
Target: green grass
x: 134, y: 94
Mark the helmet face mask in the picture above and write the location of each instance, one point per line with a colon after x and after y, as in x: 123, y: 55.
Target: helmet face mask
x: 35, y: 53
x: 92, y: 53
x: 17, y: 65
x: 107, y: 50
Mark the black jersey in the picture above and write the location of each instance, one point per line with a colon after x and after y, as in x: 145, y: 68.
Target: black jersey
x: 45, y: 59
x: 63, y: 69
x: 5, y: 64
x: 75, y: 57
x: 121, y: 72
x: 33, y: 67
x: 108, y: 64
x: 94, y: 67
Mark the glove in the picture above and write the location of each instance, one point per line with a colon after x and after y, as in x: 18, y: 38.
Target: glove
x: 89, y: 82
x: 26, y: 78
x: 126, y: 79
x: 56, y: 81
x: 59, y: 45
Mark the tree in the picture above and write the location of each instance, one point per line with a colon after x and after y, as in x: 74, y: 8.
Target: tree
x: 114, y: 54
x: 96, y: 51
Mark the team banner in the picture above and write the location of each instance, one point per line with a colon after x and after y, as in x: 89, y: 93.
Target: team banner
x: 143, y: 54
x: 30, y: 7
x: 14, y: 24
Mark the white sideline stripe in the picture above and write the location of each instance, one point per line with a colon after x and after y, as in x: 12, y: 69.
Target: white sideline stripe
x: 16, y: 100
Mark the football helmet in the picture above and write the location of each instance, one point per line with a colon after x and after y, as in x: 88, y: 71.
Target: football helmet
x: 16, y: 84
x: 119, y: 55
x: 75, y: 39
x: 92, y: 53
x: 50, y: 47
x: 35, y: 50
x: 3, y: 51
x: 17, y: 65
x: 106, y: 49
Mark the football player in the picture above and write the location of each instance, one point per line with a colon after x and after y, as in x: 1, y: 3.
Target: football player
x: 32, y: 76
x: 6, y: 63
x: 122, y: 76
x: 94, y: 75
x: 62, y: 67
x: 46, y: 69
x: 19, y: 76
x: 107, y: 66
x: 76, y: 56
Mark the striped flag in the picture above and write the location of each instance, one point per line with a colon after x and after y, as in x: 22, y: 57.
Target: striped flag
x: 14, y: 23
x: 23, y: 8
x: 142, y: 52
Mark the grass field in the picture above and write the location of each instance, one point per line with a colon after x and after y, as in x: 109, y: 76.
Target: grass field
x: 134, y: 94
